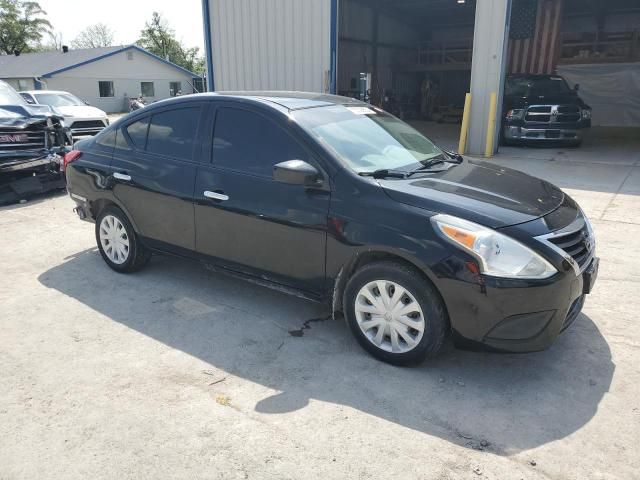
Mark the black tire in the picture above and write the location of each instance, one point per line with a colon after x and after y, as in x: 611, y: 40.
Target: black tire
x: 138, y: 255
x: 435, y: 315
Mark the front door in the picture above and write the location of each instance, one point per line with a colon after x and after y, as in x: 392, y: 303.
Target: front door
x: 248, y: 220
x: 154, y: 169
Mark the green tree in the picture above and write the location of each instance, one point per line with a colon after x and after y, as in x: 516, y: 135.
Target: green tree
x: 94, y: 36
x: 159, y: 38
x: 22, y: 26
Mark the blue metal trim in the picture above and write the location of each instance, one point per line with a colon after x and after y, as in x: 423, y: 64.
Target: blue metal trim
x: 120, y: 50
x: 206, y: 17
x: 333, y: 68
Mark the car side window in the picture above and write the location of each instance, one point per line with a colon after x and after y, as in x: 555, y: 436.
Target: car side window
x: 121, y: 142
x: 107, y: 138
x: 247, y: 142
x: 173, y: 132
x: 137, y: 132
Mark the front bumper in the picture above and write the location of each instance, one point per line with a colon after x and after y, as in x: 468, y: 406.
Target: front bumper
x: 511, y: 315
x: 21, y: 178
x: 515, y: 133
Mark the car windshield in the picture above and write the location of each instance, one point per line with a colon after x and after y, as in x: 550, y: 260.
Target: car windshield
x: 8, y: 96
x: 523, y: 87
x: 367, y: 139
x: 58, y: 99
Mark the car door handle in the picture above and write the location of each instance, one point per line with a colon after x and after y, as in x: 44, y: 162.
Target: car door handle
x: 122, y: 176
x: 216, y: 195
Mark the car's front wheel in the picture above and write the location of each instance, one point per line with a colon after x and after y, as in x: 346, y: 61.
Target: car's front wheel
x: 395, y: 313
x: 118, y: 243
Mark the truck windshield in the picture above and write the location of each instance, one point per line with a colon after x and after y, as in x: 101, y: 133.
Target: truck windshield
x: 367, y: 139
x: 58, y: 99
x: 523, y: 87
x: 8, y: 96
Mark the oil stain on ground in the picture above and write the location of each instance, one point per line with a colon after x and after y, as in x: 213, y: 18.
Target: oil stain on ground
x: 307, y: 325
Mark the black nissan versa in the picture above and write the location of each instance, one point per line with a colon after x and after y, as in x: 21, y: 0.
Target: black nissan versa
x: 340, y: 202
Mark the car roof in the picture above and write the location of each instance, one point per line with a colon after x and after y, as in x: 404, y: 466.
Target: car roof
x: 288, y: 100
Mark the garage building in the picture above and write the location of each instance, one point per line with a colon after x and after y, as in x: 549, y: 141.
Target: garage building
x: 418, y: 58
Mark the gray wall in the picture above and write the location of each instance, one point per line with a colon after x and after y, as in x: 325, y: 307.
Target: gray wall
x: 271, y: 44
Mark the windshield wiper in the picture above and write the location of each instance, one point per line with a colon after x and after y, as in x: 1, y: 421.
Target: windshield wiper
x: 445, y: 157
x: 384, y: 173
x: 440, y: 158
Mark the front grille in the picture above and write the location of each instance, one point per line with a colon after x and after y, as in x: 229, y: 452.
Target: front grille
x: 28, y: 139
x: 553, y: 114
x: 87, y: 124
x: 579, y: 245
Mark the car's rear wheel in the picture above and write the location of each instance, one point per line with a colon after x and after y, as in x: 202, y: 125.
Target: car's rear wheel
x: 394, y: 313
x: 117, y: 241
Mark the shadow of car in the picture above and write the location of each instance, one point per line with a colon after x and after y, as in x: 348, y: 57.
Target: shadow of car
x: 503, y: 403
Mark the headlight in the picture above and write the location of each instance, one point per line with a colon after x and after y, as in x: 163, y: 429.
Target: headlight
x: 499, y: 255
x: 586, y: 114
x: 516, y: 114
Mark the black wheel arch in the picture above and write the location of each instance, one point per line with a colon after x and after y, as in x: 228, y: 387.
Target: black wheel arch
x: 365, y: 257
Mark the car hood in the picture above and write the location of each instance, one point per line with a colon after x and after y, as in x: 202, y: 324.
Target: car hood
x: 20, y: 116
x: 481, y: 192
x: 82, y: 111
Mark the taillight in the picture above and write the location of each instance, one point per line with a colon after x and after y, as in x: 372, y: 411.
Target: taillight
x: 70, y: 157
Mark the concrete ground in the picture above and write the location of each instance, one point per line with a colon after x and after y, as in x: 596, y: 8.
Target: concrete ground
x: 178, y: 372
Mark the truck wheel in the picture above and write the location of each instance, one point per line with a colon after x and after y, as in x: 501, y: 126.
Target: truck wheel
x: 394, y: 313
x: 118, y: 242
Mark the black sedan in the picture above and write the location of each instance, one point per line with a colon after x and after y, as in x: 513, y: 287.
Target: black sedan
x: 340, y: 202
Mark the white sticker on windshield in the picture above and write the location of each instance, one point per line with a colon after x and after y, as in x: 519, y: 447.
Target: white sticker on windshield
x: 361, y: 110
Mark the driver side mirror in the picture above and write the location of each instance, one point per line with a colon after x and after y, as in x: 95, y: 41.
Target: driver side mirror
x: 576, y: 87
x: 296, y: 172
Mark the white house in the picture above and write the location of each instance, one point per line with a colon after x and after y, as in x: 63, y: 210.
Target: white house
x: 105, y: 77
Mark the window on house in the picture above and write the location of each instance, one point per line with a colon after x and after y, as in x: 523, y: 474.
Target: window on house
x: 175, y: 88
x: 146, y: 88
x: 106, y: 89
x: 198, y: 85
x: 24, y: 84
x: 129, y: 55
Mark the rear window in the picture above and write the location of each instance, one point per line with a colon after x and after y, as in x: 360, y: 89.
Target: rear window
x: 137, y: 131
x: 107, y: 138
x: 173, y: 132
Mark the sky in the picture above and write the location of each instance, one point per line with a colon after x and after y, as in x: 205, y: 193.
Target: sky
x: 125, y: 17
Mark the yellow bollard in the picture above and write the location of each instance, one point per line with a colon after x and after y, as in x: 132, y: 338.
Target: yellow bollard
x: 464, y: 129
x: 491, y: 127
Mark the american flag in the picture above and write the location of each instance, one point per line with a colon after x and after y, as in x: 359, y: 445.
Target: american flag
x: 534, y: 35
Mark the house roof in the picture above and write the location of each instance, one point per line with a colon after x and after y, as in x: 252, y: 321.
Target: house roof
x: 47, y: 64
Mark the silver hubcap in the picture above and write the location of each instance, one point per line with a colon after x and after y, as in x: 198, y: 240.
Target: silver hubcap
x: 114, y: 239
x: 389, y: 316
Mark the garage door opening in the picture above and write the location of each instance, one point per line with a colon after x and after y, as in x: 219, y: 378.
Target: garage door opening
x: 412, y: 58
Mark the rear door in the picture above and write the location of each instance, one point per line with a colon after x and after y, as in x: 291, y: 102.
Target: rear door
x: 154, y: 169
x: 256, y: 224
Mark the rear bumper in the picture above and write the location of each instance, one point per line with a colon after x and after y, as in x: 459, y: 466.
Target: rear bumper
x: 511, y: 315
x: 515, y: 133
